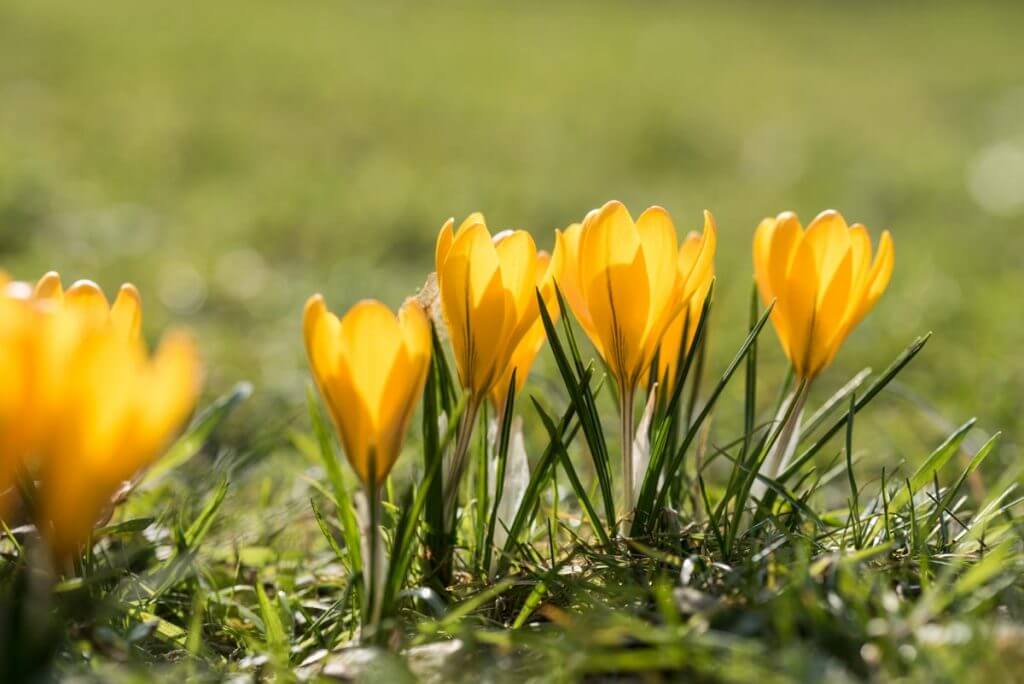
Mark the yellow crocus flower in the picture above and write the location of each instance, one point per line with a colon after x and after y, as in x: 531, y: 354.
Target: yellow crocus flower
x: 487, y: 297
x: 370, y: 367
x: 823, y: 281
x: 672, y: 344
x: 88, y: 408
x: 626, y: 281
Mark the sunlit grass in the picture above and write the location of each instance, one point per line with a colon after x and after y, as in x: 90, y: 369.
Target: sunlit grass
x: 235, y: 160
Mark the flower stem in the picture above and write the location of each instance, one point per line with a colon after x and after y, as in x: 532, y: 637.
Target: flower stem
x: 374, y: 561
x: 459, y: 460
x: 627, y: 458
x: 776, y: 460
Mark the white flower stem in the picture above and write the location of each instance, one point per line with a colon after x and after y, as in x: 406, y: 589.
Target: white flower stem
x: 627, y: 458
x: 789, y: 435
x: 458, y: 462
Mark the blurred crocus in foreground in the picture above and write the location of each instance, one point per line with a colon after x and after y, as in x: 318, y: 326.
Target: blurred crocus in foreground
x: 823, y: 281
x: 90, y: 408
x: 370, y: 367
x: 624, y: 282
x: 488, y: 298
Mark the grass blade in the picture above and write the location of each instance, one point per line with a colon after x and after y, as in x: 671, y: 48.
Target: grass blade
x: 935, y: 461
x: 499, y: 480
x: 577, y: 383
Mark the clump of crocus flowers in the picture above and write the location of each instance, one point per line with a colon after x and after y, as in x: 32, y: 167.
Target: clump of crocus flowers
x: 72, y: 359
x: 84, y: 407
x: 636, y: 292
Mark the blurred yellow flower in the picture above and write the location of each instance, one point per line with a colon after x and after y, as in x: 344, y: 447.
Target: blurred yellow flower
x: 626, y: 281
x: 118, y: 409
x: 87, y: 299
x: 18, y: 320
x: 89, y: 406
x: 823, y: 281
x: 672, y: 346
x: 370, y: 367
x: 488, y: 298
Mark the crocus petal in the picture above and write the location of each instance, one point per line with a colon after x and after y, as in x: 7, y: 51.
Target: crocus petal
x: 786, y: 236
x: 686, y: 322
x: 881, y: 273
x: 354, y: 422
x: 49, y: 288
x: 660, y: 246
x: 801, y: 295
x: 87, y: 299
x: 415, y: 331
x: 860, y: 248
x: 830, y: 319
x: 517, y: 254
x: 405, y: 381
x: 444, y: 243
x: 566, y: 268
x: 703, y: 265
x: 763, y: 236
x: 615, y: 287
x: 126, y: 313
x: 322, y: 337
x: 829, y: 235
x: 174, y: 382
x: 474, y: 219
x: 695, y: 269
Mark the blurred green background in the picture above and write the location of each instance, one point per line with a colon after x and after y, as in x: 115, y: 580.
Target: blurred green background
x: 232, y: 158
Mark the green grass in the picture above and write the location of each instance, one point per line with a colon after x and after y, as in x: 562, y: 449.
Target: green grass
x: 233, y: 159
